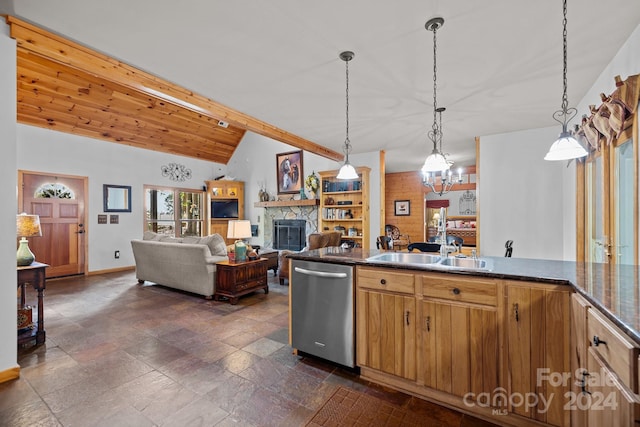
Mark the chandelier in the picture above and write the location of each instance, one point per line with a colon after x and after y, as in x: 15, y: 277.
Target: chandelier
x: 566, y: 146
x: 347, y: 171
x: 437, y: 161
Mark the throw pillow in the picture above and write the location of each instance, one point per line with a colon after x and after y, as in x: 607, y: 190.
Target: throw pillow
x: 150, y: 235
x: 191, y: 239
x: 216, y: 244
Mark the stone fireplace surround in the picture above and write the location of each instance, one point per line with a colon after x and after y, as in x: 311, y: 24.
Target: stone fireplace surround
x: 307, y: 213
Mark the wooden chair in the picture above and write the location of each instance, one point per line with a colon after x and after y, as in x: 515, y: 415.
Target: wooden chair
x: 398, y: 240
x: 383, y: 242
x: 316, y: 241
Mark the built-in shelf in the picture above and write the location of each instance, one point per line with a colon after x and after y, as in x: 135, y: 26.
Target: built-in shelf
x: 281, y: 203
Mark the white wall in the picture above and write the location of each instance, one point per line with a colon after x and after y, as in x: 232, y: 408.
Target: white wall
x: 103, y: 162
x: 520, y: 195
x: 8, y: 209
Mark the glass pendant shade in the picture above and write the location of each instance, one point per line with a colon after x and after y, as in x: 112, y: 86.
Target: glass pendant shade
x: 435, y: 162
x: 566, y: 147
x: 347, y: 171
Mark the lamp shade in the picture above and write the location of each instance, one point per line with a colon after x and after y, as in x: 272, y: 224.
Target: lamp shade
x: 239, y: 229
x: 436, y: 162
x: 28, y: 225
x: 566, y: 147
x: 347, y: 172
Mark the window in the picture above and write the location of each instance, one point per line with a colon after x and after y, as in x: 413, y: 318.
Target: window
x: 607, y: 200
x: 174, y: 211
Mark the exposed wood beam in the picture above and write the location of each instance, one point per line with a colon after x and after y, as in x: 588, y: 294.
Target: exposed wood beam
x: 53, y: 47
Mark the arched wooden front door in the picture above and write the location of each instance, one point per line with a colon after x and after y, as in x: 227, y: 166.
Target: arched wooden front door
x: 59, y: 200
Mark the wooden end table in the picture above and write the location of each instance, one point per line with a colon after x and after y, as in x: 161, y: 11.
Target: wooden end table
x: 33, y: 275
x: 234, y: 279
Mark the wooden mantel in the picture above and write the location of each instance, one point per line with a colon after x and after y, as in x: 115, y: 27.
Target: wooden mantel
x: 281, y: 203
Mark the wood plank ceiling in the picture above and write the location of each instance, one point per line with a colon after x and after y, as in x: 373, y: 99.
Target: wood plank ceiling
x: 67, y: 87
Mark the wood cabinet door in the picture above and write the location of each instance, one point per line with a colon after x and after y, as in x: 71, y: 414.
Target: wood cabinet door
x: 608, y: 402
x: 460, y: 345
x: 387, y: 333
x: 538, y: 348
x: 579, y: 346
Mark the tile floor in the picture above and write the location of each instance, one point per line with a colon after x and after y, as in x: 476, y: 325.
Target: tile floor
x: 122, y: 354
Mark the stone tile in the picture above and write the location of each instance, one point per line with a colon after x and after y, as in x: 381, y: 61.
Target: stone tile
x: 266, y: 408
x: 263, y: 347
x: 17, y: 392
x: 79, y: 392
x: 280, y: 335
x: 118, y: 353
x: 156, y: 396
x: 237, y: 361
x: 198, y: 412
x: 231, y: 391
x: 34, y: 413
x: 265, y: 372
x: 154, y: 352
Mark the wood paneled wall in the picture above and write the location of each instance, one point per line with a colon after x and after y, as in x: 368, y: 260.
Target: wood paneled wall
x: 408, y: 186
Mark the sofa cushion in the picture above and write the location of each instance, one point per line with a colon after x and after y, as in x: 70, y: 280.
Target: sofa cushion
x: 216, y: 244
x: 170, y: 239
x: 191, y: 239
x: 150, y: 235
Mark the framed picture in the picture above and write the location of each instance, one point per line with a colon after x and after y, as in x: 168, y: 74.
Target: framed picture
x: 289, y: 172
x: 402, y: 208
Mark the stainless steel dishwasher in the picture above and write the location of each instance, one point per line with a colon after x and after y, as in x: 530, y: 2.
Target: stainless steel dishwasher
x: 322, y: 314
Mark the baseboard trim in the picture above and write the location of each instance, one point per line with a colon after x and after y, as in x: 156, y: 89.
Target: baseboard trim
x: 10, y: 374
x: 111, y: 270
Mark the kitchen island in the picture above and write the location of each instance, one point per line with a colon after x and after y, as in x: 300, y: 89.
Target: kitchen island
x: 527, y: 342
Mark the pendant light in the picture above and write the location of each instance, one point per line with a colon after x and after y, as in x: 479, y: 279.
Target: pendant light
x: 436, y: 161
x: 566, y: 146
x: 347, y: 171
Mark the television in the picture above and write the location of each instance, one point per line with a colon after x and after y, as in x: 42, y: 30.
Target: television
x: 224, y: 208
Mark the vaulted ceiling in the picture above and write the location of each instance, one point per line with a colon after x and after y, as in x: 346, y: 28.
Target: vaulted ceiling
x: 67, y: 87
x: 499, y: 63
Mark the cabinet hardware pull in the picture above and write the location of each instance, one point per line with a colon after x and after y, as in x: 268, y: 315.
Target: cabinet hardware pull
x: 456, y: 291
x: 383, y: 282
x: 406, y: 316
x: 597, y: 341
x: 516, y: 312
x: 583, y: 382
x: 428, y: 323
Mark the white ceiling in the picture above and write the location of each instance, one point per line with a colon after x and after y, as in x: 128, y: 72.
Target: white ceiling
x: 499, y: 61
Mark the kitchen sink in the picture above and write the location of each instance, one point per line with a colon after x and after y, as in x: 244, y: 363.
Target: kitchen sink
x: 449, y: 263
x: 405, y: 258
x: 470, y: 263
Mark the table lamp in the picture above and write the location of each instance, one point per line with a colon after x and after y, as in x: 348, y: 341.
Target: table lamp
x: 239, y: 229
x: 27, y: 226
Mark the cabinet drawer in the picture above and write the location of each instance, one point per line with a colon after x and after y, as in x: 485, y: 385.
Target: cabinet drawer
x: 476, y: 291
x: 618, y: 351
x: 383, y: 279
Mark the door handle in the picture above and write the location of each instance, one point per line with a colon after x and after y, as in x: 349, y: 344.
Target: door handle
x: 321, y: 273
x: 80, y: 231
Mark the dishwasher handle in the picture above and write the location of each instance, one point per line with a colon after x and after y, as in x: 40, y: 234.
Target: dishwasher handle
x: 324, y: 274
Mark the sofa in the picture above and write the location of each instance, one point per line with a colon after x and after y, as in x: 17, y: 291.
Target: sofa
x: 187, y: 263
x: 316, y: 241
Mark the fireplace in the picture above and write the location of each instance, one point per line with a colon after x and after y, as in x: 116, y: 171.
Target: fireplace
x: 289, y: 234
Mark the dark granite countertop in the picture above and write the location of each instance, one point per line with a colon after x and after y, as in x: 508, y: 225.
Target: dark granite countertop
x: 612, y: 289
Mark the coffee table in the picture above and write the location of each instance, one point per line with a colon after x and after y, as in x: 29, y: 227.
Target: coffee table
x: 234, y: 279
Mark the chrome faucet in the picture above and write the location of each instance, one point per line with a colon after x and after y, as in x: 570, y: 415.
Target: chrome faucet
x: 442, y: 230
